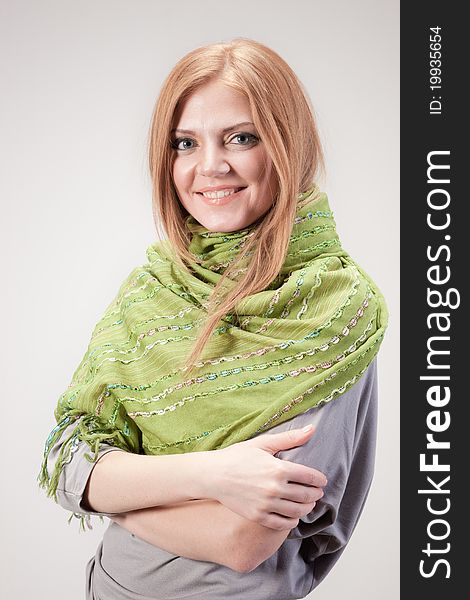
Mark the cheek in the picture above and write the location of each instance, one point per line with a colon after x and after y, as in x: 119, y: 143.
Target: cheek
x: 175, y: 173
x: 181, y: 175
x: 260, y: 167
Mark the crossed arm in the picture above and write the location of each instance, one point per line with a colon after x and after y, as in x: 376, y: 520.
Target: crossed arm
x: 204, y: 530
x: 201, y: 529
x: 207, y: 530
x: 184, y: 518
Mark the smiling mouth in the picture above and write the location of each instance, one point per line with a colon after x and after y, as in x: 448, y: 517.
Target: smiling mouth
x: 217, y: 195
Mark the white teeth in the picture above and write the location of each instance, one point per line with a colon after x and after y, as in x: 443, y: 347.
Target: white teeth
x: 219, y: 193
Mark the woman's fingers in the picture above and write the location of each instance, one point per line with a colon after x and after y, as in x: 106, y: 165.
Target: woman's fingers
x: 301, y: 493
x: 293, y: 510
x: 285, y: 514
x: 276, y: 442
x: 294, y: 501
x: 275, y: 521
x: 263, y: 488
x: 298, y: 473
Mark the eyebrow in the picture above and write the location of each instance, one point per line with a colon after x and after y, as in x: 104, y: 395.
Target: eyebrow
x: 188, y: 131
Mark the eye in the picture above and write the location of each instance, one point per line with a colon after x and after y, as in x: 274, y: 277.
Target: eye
x: 182, y: 144
x: 244, y: 139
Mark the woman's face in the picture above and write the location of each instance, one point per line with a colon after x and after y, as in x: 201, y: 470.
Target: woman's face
x: 222, y: 172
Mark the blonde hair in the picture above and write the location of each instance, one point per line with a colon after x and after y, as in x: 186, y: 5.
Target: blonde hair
x: 283, y: 117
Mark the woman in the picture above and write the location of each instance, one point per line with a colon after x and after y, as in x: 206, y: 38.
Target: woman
x: 251, y: 318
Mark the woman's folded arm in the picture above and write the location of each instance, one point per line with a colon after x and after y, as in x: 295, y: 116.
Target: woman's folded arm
x: 120, y: 481
x: 204, y: 530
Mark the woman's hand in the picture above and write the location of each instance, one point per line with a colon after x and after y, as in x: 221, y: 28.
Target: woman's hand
x: 252, y: 482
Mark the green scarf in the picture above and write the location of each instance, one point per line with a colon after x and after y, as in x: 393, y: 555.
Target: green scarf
x: 301, y: 342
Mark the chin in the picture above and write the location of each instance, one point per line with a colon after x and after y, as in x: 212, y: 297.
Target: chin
x: 221, y: 224
x: 221, y: 227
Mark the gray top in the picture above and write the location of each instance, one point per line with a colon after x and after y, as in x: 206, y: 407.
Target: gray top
x: 126, y: 567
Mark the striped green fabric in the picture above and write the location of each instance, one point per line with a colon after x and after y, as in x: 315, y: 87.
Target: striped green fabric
x: 301, y: 342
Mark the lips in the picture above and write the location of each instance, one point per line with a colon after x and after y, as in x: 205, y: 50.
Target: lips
x: 220, y: 196
x: 219, y: 190
x: 216, y: 188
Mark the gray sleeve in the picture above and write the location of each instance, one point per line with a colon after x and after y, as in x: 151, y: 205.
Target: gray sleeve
x: 75, y: 473
x: 343, y: 448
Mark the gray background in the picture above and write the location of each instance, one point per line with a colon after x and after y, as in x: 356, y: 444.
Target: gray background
x: 79, y: 81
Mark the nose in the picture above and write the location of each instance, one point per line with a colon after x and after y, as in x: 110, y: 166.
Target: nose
x: 212, y: 162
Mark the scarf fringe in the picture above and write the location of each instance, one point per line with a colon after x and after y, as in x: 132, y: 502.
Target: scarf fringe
x: 90, y: 429
x: 84, y: 520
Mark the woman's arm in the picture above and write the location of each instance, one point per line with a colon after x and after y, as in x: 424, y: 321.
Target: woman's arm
x: 204, y: 530
x: 208, y: 530
x: 245, y: 477
x: 122, y: 481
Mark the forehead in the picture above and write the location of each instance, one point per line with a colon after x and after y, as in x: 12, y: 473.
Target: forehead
x: 214, y: 105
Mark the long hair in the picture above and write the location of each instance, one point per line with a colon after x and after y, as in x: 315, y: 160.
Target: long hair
x: 283, y: 117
